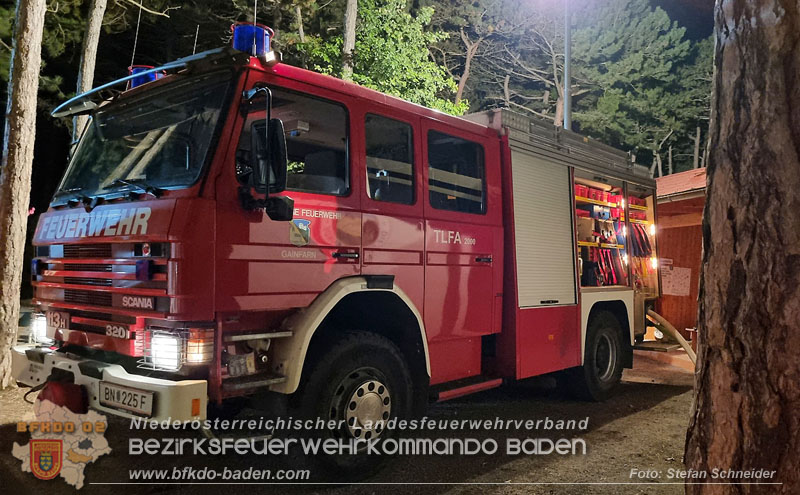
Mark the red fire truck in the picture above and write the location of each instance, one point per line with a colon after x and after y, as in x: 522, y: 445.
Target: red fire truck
x: 230, y: 225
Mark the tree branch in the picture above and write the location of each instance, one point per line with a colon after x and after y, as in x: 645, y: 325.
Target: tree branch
x: 150, y: 11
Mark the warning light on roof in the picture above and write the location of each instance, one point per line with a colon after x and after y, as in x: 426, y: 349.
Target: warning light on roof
x: 252, y: 38
x: 144, y: 78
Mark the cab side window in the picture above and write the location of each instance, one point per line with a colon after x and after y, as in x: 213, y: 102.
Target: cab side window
x: 390, y: 160
x: 316, y: 143
x: 456, y: 175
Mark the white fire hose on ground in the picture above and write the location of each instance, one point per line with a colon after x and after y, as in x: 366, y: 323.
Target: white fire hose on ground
x: 666, y: 327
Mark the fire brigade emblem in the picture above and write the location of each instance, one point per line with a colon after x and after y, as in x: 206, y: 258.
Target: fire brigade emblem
x: 299, y: 232
x: 46, y: 458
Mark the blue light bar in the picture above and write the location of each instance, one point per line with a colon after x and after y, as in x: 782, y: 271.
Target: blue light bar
x: 145, y: 75
x: 252, y: 39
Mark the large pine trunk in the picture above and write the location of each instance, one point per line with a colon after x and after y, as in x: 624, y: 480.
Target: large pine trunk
x: 94, y: 22
x: 746, y: 413
x: 15, y: 175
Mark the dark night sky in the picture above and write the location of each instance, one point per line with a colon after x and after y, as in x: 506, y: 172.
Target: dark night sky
x: 697, y: 16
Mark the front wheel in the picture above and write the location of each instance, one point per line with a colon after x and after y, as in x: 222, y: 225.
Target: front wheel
x: 359, y: 384
x: 602, y: 362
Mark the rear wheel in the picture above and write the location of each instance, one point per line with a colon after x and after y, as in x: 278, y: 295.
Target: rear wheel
x: 602, y: 362
x: 360, y: 383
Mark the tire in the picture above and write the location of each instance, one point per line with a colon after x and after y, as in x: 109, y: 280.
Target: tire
x: 602, y: 362
x: 361, y: 378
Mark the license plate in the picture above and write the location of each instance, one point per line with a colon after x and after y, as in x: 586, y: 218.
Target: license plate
x: 56, y: 320
x: 130, y: 399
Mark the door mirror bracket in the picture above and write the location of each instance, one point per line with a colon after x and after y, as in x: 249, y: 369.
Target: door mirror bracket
x: 269, y: 163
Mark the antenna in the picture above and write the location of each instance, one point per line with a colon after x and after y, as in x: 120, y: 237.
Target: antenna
x: 255, y: 23
x: 197, y: 31
x: 136, y: 37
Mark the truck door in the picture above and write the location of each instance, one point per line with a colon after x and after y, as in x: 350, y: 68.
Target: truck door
x: 289, y: 263
x: 393, y: 231
x: 461, y: 244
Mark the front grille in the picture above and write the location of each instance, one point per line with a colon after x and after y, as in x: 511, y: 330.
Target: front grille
x: 104, y: 316
x: 87, y: 250
x: 88, y: 267
x: 86, y: 297
x: 98, y: 282
x: 86, y: 328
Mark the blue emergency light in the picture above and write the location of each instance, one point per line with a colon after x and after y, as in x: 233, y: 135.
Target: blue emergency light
x: 144, y: 78
x: 252, y: 39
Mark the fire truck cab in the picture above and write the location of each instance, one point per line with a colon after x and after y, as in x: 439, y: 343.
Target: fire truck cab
x: 241, y: 227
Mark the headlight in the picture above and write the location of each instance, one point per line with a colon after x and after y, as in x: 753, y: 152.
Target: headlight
x: 39, y: 329
x: 169, y: 350
x: 166, y: 351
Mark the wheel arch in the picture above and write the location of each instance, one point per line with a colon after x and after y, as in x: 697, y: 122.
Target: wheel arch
x: 389, y: 312
x: 621, y: 306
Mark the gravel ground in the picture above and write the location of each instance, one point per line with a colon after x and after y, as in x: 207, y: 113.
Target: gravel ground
x: 642, y: 426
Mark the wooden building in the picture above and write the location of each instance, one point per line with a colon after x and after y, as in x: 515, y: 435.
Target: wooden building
x: 681, y: 198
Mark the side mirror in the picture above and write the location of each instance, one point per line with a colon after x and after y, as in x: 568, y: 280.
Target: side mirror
x: 268, y: 157
x: 278, y: 161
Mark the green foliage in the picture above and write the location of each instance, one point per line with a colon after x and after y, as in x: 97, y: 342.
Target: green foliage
x: 636, y: 61
x: 637, y: 82
x: 391, y: 55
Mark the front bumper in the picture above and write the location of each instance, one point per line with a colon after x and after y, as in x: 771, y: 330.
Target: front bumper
x: 171, y: 399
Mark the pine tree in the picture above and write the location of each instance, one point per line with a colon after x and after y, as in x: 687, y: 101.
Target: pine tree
x: 631, y: 54
x: 745, y: 413
x: 15, y: 171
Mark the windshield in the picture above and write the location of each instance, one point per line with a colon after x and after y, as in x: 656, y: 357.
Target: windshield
x: 159, y: 139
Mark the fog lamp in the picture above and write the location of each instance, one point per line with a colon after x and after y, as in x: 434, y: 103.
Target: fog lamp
x: 39, y: 329
x: 200, y: 346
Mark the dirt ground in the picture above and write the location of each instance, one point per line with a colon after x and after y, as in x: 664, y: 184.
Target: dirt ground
x: 642, y: 426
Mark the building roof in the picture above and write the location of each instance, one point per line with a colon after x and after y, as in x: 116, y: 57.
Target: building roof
x: 681, y: 183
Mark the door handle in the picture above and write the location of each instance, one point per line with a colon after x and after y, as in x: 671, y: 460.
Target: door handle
x: 484, y: 259
x: 339, y: 254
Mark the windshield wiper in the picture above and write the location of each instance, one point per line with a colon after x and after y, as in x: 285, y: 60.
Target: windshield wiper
x: 88, y: 202
x: 140, y: 184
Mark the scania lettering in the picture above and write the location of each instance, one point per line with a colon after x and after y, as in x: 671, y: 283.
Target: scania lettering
x: 241, y: 226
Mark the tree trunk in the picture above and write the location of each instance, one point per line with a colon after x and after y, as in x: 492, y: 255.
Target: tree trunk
x: 97, y: 9
x: 298, y: 12
x: 277, y: 18
x: 470, y: 49
x: 16, y: 165
x: 707, y: 150
x: 696, y: 161
x: 507, y: 91
x: 746, y: 412
x: 350, y: 15
x: 558, y: 116
x: 655, y: 168
x: 669, y: 160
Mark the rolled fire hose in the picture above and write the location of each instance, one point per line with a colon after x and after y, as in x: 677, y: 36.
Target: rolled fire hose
x: 667, y: 327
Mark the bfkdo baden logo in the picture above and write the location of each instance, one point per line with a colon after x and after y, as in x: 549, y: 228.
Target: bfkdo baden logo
x: 46, y: 458
x: 62, y: 442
